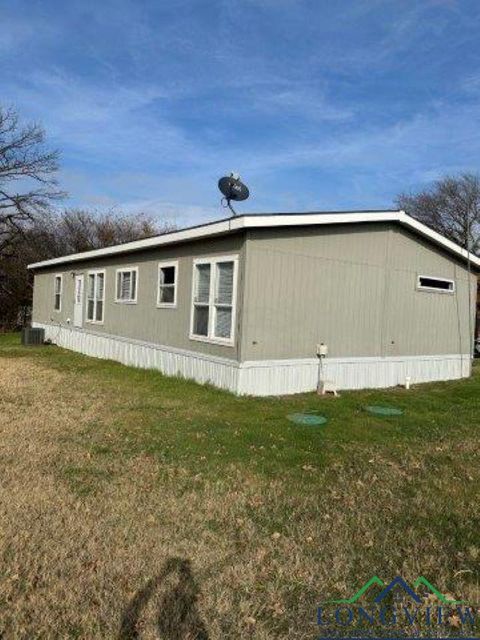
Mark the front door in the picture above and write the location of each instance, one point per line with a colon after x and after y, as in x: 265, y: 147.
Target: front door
x: 78, y: 302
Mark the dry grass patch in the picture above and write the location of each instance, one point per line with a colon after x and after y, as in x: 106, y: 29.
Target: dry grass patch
x: 103, y: 538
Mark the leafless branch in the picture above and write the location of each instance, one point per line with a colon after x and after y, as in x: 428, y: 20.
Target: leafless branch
x: 28, y: 182
x: 451, y: 207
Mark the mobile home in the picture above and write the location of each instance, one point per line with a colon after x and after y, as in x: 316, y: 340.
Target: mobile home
x: 243, y: 303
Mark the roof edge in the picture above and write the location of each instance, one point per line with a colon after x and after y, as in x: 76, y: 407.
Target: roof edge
x: 439, y: 239
x: 248, y: 221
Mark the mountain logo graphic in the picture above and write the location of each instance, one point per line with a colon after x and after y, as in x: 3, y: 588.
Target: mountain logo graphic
x: 397, y: 582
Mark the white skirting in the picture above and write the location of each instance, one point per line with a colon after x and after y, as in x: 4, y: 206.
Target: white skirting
x: 280, y: 377
x: 262, y: 377
x: 201, y: 367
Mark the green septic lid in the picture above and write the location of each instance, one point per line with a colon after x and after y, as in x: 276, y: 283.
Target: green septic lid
x: 384, y: 411
x: 307, y: 419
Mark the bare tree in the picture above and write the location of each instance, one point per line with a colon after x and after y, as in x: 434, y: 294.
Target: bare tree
x: 57, y: 234
x: 451, y: 206
x: 82, y: 230
x: 27, y: 176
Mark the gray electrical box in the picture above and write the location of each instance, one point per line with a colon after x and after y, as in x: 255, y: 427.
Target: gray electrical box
x: 32, y: 336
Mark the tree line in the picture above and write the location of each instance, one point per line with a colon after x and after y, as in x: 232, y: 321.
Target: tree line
x: 34, y: 227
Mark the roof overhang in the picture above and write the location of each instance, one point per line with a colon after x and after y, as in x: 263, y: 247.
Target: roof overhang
x: 259, y: 221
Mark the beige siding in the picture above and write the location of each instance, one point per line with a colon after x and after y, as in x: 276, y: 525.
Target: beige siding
x: 353, y: 288
x: 421, y: 322
x: 43, y: 297
x: 144, y: 321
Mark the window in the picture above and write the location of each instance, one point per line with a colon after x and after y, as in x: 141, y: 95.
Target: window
x: 428, y: 283
x: 213, y: 306
x: 58, y: 286
x: 96, y: 296
x: 127, y: 285
x: 167, y: 284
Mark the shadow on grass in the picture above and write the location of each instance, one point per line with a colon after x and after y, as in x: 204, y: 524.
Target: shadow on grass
x: 177, y: 616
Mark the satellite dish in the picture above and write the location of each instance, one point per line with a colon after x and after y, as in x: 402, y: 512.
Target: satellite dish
x: 233, y: 189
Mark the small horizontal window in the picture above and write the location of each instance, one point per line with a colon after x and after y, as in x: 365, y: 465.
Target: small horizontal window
x: 429, y: 283
x: 127, y: 285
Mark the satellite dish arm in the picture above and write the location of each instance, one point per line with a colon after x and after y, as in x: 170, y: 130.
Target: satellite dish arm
x: 231, y: 208
x: 226, y: 202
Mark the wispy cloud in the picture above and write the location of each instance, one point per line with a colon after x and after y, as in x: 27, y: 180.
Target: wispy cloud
x: 317, y: 105
x: 297, y: 100
x: 100, y: 121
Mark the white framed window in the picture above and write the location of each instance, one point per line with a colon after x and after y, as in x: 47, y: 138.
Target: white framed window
x: 167, y: 284
x: 126, y: 285
x: 96, y: 296
x: 214, y: 294
x: 57, y: 292
x: 438, y: 285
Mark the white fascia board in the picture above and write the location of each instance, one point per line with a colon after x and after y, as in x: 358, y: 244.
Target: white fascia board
x: 437, y: 238
x: 305, y: 219
x: 263, y: 221
x: 223, y: 226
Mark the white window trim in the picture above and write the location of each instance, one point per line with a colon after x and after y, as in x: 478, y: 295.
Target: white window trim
x: 125, y: 270
x: 89, y: 273
x: 57, y: 275
x: 167, y: 305
x: 228, y: 342
x: 420, y: 287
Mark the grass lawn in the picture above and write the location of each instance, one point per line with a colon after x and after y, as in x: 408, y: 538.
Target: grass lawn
x: 133, y: 505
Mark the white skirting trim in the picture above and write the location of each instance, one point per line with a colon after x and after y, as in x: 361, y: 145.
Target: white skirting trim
x: 201, y: 367
x: 262, y: 377
x: 279, y: 377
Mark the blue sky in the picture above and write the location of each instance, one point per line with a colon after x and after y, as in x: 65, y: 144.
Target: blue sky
x: 318, y: 105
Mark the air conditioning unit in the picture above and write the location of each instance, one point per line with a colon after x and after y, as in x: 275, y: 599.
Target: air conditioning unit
x: 32, y: 336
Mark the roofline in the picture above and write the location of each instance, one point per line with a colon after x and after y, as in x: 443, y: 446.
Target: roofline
x: 250, y: 221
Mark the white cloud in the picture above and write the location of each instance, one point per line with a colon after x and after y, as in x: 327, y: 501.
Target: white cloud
x: 300, y: 101
x: 149, y: 112
x: 94, y: 122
